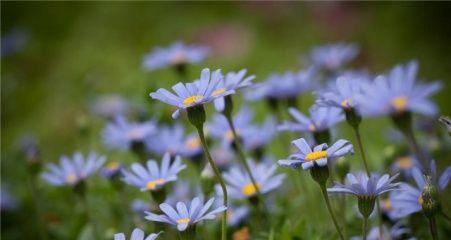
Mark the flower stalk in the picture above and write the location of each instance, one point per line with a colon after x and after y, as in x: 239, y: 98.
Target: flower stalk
x: 320, y: 175
x: 197, y: 117
x: 242, y: 156
x: 354, y: 119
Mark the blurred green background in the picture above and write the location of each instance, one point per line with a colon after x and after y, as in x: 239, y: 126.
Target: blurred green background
x: 76, y: 51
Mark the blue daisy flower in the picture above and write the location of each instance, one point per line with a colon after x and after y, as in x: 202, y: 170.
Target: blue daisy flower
x: 73, y: 171
x: 154, y: 177
x: 409, y: 199
x: 232, y: 81
x: 121, y: 134
x: 343, y: 93
x: 319, y: 155
x: 110, y: 106
x: 172, y: 140
x: 259, y: 136
x: 333, y: 57
x: 184, y: 215
x: 363, y: 186
x: 137, y: 234
x: 284, y: 86
x: 398, y: 92
x: 192, y: 94
x: 321, y: 119
x: 112, y: 169
x: 239, y: 184
x: 175, y: 55
x: 220, y: 129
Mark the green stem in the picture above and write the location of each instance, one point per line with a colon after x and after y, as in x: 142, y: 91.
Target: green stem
x: 365, y: 223
x: 329, y: 208
x: 365, y: 163
x: 42, y: 229
x: 200, y: 131
x: 433, y: 228
x: 362, y: 152
x: 416, y: 148
x: 242, y: 155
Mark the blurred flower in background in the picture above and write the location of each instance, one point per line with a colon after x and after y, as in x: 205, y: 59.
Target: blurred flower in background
x: 176, y: 55
x: 240, y: 185
x: 72, y: 171
x: 333, y: 57
x: 153, y: 177
x: 14, y: 41
x: 398, y: 92
x: 121, y: 134
x: 110, y: 106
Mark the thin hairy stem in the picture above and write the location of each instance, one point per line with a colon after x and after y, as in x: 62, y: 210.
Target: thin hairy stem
x: 329, y: 208
x: 364, y: 226
x: 367, y: 170
x: 416, y: 148
x: 242, y: 155
x: 200, y: 131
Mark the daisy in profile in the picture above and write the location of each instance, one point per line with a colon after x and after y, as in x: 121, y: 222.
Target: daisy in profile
x: 308, y: 157
x: 137, y: 234
x: 240, y: 185
x: 343, y: 94
x: 177, y: 55
x: 284, y: 86
x: 366, y: 189
x: 72, y: 171
x: 122, y: 134
x: 399, y: 92
x: 320, y: 121
x: 186, y: 215
x: 153, y: 177
x: 205, y: 90
x: 232, y: 81
x: 405, y: 165
x: 172, y: 140
x: 333, y: 57
x: 409, y: 199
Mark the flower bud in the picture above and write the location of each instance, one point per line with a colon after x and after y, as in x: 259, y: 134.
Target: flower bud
x: 320, y: 174
x: 196, y: 115
x: 429, y: 200
x: 352, y: 117
x: 366, y: 205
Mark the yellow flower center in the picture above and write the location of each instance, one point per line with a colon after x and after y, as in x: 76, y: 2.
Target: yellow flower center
x: 229, y: 135
x: 405, y: 162
x: 386, y: 204
x: 249, y: 189
x: 420, y: 200
x: 183, y: 220
x: 399, y: 103
x: 345, y: 103
x: 192, y: 99
x: 312, y: 127
x: 71, y: 178
x: 218, y: 92
x: 178, y: 58
x: 193, y: 143
x: 151, y: 185
x: 113, y: 166
x: 316, y: 155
